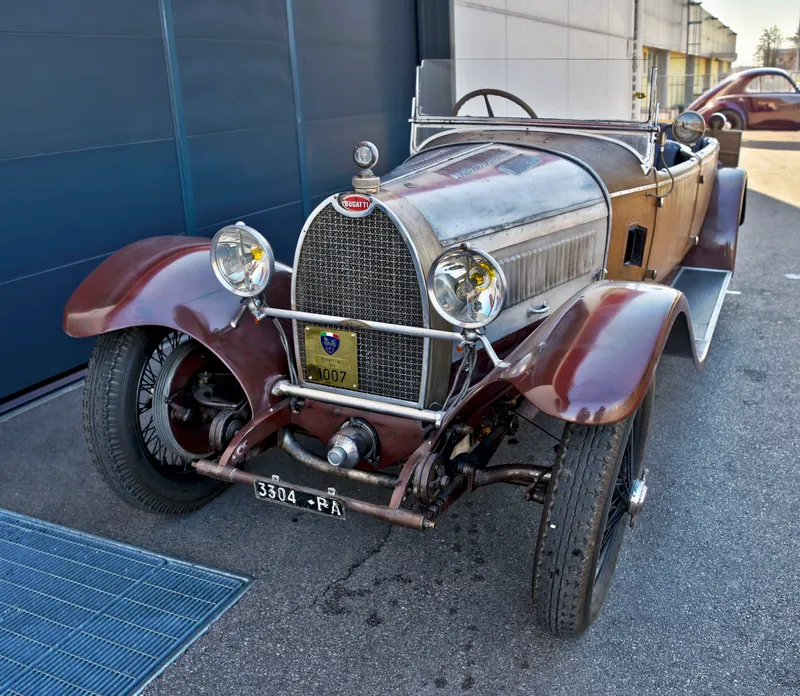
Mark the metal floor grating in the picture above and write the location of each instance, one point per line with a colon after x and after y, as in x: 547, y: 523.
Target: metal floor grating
x: 84, y: 616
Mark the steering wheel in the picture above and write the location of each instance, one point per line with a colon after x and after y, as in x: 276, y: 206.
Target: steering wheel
x: 486, y: 93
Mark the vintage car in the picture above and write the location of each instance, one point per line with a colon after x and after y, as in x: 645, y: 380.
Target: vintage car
x: 755, y: 99
x: 513, y: 268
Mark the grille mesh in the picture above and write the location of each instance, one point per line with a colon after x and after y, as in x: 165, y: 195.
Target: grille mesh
x: 361, y: 268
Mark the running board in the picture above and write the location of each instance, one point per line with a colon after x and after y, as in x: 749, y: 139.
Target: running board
x: 705, y: 291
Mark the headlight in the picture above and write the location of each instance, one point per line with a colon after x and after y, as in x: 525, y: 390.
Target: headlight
x: 467, y: 287
x: 242, y: 260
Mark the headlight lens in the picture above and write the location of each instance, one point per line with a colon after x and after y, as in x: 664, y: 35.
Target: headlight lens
x: 242, y: 260
x: 467, y: 287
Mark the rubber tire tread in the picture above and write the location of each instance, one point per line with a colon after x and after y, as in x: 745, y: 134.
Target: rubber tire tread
x: 114, y: 444
x: 575, y: 509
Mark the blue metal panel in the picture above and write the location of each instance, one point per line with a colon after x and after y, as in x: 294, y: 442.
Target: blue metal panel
x: 112, y: 138
x: 240, y: 115
x: 178, y: 123
x: 235, y: 20
x: 68, y: 207
x: 99, y: 17
x: 241, y: 172
x: 356, y: 63
x: 234, y: 85
x: 67, y: 93
x: 298, y: 106
x: 84, y: 615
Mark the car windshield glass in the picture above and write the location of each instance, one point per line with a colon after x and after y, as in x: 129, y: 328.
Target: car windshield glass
x: 571, y: 90
x: 610, y: 96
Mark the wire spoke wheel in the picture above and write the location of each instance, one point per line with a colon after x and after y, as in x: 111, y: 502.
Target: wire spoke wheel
x: 159, y: 454
x: 586, y: 511
x: 130, y: 376
x: 617, y: 517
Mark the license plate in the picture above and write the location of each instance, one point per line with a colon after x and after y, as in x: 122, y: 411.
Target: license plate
x: 331, y: 357
x: 274, y: 491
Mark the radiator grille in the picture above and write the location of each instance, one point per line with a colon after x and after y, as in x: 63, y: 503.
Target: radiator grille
x: 537, y: 270
x: 361, y: 268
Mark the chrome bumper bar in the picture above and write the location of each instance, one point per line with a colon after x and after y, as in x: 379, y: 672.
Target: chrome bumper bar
x: 286, y: 388
x: 468, y: 336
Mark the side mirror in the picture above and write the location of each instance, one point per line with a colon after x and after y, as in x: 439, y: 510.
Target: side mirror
x: 717, y: 121
x: 688, y: 128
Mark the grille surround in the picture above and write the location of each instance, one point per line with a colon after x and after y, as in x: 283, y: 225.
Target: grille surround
x: 364, y: 267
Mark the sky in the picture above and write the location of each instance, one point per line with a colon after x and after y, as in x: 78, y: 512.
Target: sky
x: 749, y: 17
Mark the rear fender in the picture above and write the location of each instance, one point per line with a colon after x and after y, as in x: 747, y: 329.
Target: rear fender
x: 716, y: 247
x: 593, y: 360
x: 168, y: 281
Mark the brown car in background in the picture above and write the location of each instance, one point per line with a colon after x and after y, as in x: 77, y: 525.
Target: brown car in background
x: 756, y: 99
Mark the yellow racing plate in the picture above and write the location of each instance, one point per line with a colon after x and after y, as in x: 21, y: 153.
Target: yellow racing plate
x: 331, y: 357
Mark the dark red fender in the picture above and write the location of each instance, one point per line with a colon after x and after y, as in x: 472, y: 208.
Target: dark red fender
x: 593, y: 360
x: 168, y: 281
x: 716, y: 247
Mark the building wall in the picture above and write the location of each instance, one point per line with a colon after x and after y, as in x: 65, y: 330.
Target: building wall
x: 667, y: 34
x: 566, y: 58
x: 137, y: 118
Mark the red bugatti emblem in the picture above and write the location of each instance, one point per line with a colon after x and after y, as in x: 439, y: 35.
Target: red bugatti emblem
x: 355, y: 202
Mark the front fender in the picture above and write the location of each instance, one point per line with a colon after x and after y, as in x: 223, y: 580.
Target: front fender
x: 593, y: 360
x: 716, y: 247
x: 168, y: 281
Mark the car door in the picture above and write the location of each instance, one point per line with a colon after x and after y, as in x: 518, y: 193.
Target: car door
x: 772, y: 102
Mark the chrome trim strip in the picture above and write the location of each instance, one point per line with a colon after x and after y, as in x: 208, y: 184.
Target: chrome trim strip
x: 285, y: 388
x: 469, y: 121
x: 426, y: 319
x: 644, y: 160
x: 636, y: 189
x: 358, y: 323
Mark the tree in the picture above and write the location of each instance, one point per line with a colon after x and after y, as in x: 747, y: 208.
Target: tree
x: 768, y: 45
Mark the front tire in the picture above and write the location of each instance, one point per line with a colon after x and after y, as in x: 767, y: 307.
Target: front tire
x: 584, y: 519
x: 144, y: 476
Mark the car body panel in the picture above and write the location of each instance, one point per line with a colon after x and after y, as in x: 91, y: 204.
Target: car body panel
x: 716, y: 247
x: 594, y: 359
x: 168, y: 281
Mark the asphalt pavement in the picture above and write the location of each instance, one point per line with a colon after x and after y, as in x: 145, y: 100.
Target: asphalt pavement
x: 705, y: 599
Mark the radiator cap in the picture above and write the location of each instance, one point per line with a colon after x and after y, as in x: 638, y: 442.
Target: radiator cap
x: 366, y: 156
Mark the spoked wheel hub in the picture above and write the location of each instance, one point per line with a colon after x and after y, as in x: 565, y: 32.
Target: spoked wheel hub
x: 175, y: 413
x: 188, y: 407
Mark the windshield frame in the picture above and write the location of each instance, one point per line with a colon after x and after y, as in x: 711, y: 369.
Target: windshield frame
x: 603, y: 128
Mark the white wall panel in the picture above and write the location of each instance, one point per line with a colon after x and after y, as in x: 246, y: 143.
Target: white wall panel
x: 530, y: 38
x: 591, y: 14
x: 479, y: 33
x: 555, y: 10
x: 620, y: 18
x: 587, y: 44
x: 554, y: 54
x: 543, y: 85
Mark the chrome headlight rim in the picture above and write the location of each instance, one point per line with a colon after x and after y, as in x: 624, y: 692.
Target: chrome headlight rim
x: 268, y: 261
x: 502, y: 286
